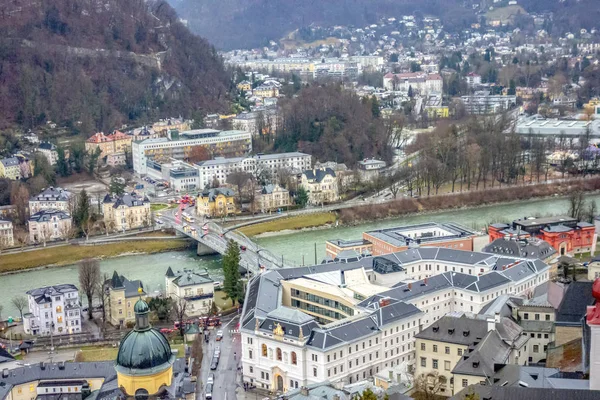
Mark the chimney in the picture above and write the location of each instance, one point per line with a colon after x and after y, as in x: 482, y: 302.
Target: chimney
x: 42, y: 366
x: 409, y: 286
x: 425, y: 281
x: 336, y: 397
x: 391, y: 375
x: 491, y: 324
x: 497, y: 318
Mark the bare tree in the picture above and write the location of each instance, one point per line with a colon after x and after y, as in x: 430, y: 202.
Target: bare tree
x: 239, y: 180
x: 44, y: 234
x: 180, y: 307
x: 89, y: 278
x: 103, y: 294
x: 284, y: 175
x: 67, y: 231
x: 19, y: 197
x: 430, y: 384
x: 22, y: 238
x: 576, y: 205
x: 20, y: 302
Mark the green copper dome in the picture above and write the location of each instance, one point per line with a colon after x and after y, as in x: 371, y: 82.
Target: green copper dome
x: 141, y: 307
x: 144, y: 349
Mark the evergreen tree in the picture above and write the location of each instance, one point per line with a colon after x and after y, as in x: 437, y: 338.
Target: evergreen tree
x: 116, y: 187
x: 62, y: 164
x: 375, y: 107
x: 41, y: 167
x: 512, y: 90
x: 367, y: 395
x: 231, y: 272
x: 93, y: 160
x: 410, y: 92
x: 82, y: 211
x: 301, y: 197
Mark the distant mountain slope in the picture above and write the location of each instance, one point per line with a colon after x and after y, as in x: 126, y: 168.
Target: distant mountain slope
x: 95, y: 64
x: 230, y: 24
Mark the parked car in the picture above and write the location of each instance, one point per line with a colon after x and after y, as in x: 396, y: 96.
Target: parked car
x: 166, y: 330
x: 211, y: 379
x: 214, y: 363
x: 219, y: 336
x: 243, y: 248
x: 208, y: 391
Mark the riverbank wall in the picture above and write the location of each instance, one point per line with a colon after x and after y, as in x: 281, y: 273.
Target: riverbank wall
x: 405, y: 206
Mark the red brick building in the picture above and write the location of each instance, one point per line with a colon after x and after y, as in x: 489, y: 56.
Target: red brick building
x: 565, y: 234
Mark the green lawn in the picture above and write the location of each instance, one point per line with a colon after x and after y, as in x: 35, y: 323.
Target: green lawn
x: 222, y: 301
x: 158, y: 206
x: 296, y: 222
x: 95, y: 353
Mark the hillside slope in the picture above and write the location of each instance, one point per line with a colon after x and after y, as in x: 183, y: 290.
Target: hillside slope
x: 96, y: 64
x: 230, y: 24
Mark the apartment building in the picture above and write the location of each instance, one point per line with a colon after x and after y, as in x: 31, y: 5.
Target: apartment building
x: 9, y: 168
x: 218, y: 202
x: 321, y: 185
x: 128, y: 211
x: 463, y: 350
x: 164, y: 126
x: 219, y: 168
x: 181, y: 146
x: 116, y: 142
x: 49, y: 224
x: 122, y: 295
x: 53, y: 309
x: 196, y: 288
x: 273, y: 197
x: 482, y: 102
x: 7, y: 238
x: 335, y: 322
x: 418, y: 82
x: 49, y: 151
x: 55, y: 198
x: 257, y: 122
x: 537, y: 321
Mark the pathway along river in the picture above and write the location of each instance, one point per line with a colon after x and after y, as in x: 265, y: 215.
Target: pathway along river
x: 295, y: 246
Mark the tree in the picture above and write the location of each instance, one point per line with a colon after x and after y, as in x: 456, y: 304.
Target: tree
x: 77, y: 155
x: 394, y: 57
x: 161, y: 306
x: 20, y: 302
x: 366, y: 395
x: 93, y: 160
x: 62, y: 164
x: 199, y: 153
x: 19, y: 197
x: 302, y: 197
x: 116, y: 186
x: 239, y: 179
x: 89, y: 279
x: 82, y: 211
x: 576, y: 205
x: 375, y: 107
x: 214, y: 310
x: 410, y: 92
x: 103, y: 295
x: 180, y: 307
x: 231, y: 272
x: 430, y: 384
x: 41, y: 167
x: 591, y: 211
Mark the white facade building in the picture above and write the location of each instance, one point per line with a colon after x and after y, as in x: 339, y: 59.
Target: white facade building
x: 7, y: 238
x: 217, y: 143
x: 51, y: 199
x: 306, y: 325
x: 220, y: 168
x: 49, y: 151
x: 53, y: 309
x: 197, y: 289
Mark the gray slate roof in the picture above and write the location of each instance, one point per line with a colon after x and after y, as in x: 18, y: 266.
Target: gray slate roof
x: 318, y: 175
x: 131, y: 288
x: 10, y: 162
x: 47, y: 215
x: 573, y: 307
x: 525, y: 249
x: 53, y: 194
x: 518, y: 393
x: 190, y: 278
x: 44, y: 294
x: 448, y: 329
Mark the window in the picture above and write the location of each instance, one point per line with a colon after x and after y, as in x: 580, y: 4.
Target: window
x: 465, y: 383
x: 251, y: 370
x: 537, y: 317
x: 435, y: 348
x: 264, y: 350
x: 447, y: 350
x: 249, y: 340
x: 423, y: 362
x: 526, y: 316
x: 435, y: 364
x: 447, y: 365
x: 423, y: 346
x: 315, y: 372
x: 459, y: 352
x: 250, y: 354
x: 536, y: 348
x: 547, y: 317
x: 294, y: 358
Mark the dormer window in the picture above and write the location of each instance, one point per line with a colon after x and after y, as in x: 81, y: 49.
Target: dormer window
x: 451, y: 331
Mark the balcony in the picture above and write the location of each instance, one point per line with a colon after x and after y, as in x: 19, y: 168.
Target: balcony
x: 199, y: 297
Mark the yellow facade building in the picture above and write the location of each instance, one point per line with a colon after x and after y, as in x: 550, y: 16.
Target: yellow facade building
x: 218, y: 202
x: 125, y: 212
x: 122, y: 296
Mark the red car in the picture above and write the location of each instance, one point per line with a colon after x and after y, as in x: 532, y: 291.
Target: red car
x: 166, y: 330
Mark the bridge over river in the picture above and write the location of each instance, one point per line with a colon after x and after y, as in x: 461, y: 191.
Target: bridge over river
x: 213, y: 238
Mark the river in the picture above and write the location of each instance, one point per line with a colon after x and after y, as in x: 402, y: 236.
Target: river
x: 297, y: 247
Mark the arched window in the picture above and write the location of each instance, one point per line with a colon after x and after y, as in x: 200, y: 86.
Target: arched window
x: 264, y: 350
x: 294, y: 358
x: 279, y: 356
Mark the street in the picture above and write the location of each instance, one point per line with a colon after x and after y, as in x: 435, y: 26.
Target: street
x: 226, y: 376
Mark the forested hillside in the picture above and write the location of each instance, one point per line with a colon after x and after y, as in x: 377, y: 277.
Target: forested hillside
x: 230, y: 24
x: 95, y: 64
